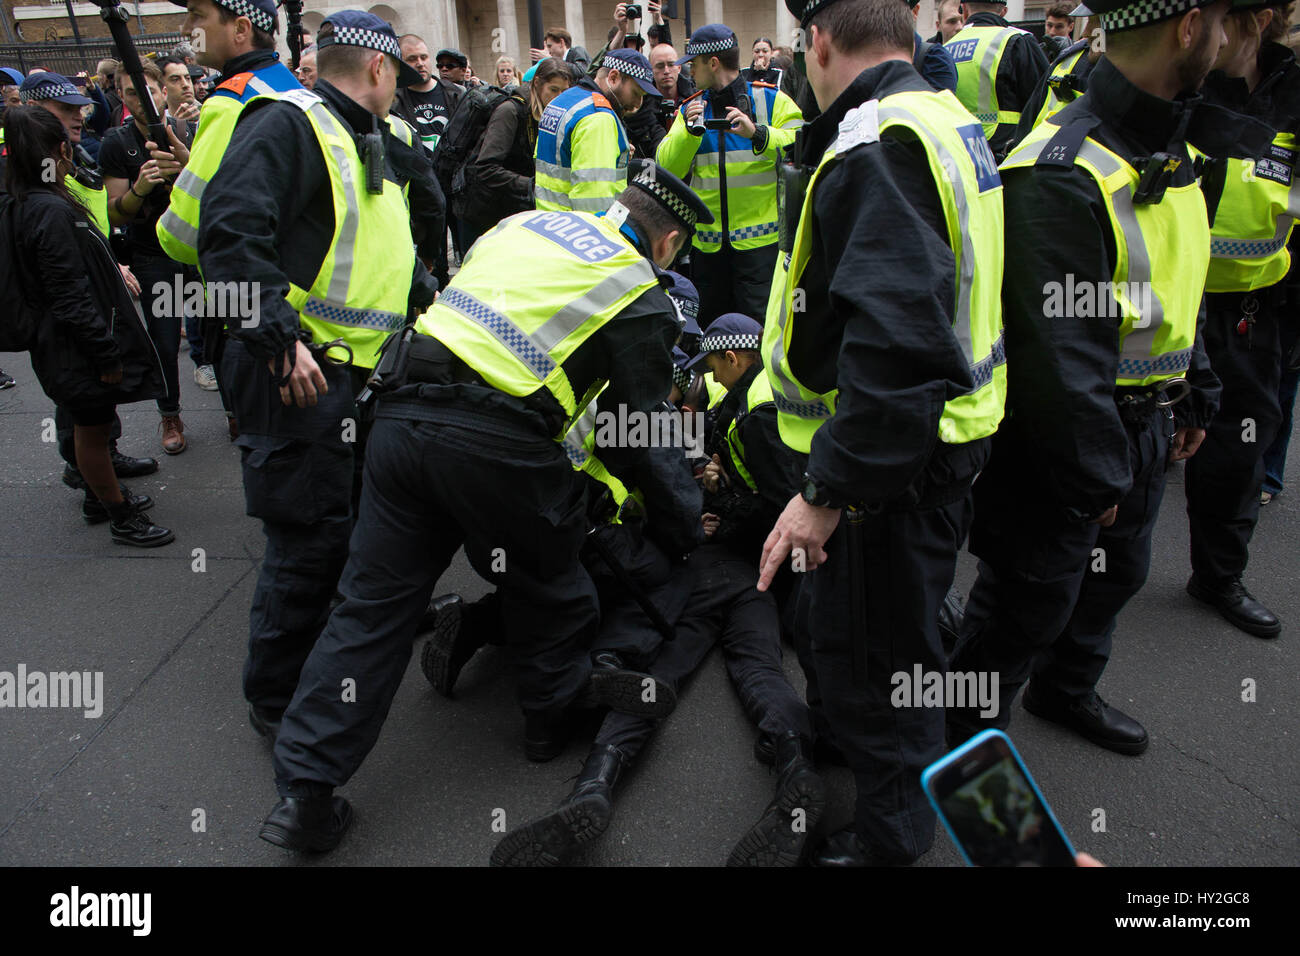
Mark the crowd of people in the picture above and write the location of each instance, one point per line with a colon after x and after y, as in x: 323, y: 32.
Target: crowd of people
x: 837, y: 286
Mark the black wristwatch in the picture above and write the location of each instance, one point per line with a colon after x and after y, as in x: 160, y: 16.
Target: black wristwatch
x: 815, y: 493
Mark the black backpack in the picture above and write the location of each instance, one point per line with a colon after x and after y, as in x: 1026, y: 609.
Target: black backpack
x: 18, y: 321
x: 460, y: 140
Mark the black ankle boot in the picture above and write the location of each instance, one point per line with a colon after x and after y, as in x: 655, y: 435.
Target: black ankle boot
x: 581, y: 818
x: 94, y: 511
x: 781, y: 833
x: 128, y: 525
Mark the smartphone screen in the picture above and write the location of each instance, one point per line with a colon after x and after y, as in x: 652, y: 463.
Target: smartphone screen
x: 992, y: 808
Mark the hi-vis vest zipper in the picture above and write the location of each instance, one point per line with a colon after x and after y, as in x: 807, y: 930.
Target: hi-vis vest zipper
x: 966, y: 177
x: 1160, y: 248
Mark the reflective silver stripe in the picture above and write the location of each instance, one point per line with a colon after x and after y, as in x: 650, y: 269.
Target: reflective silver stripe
x: 709, y: 157
x: 591, y: 203
x: 988, y: 78
x: 966, y: 276
x: 588, y: 174
x: 181, y: 229
x: 261, y: 86
x: 401, y: 129
x: 576, y: 436
x: 515, y: 339
x: 737, y: 182
x: 553, y: 170
x: 760, y: 106
x: 606, y: 292
x: 551, y: 195
x: 340, y: 314
x: 191, y: 183
x: 344, y: 246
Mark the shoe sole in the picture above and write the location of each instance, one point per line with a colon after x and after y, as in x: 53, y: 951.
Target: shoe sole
x: 171, y: 536
x: 289, y: 840
x: 624, y: 691
x: 435, y: 660
x: 1255, y: 630
x: 1119, y: 747
x: 176, y: 452
x: 548, y: 840
x: 773, y: 841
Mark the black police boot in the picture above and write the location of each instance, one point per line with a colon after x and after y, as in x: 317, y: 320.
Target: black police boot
x: 824, y: 752
x: 629, y: 692
x: 581, y: 818
x: 1091, y: 718
x: 72, y: 478
x: 951, y: 612
x: 842, y: 848
x: 1237, y: 605
x: 128, y: 525
x: 127, y: 467
x: 545, y: 737
x: 94, y: 511
x: 779, y: 836
x: 307, y: 824
x: 265, y: 722
x: 450, y: 646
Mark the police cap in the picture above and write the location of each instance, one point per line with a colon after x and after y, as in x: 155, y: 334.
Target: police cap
x: 632, y: 64
x: 709, y: 39
x: 1119, y: 15
x: 727, y: 333
x: 673, y: 194
x: 261, y: 13
x: 687, y: 297
x: 51, y: 86
x: 358, y: 28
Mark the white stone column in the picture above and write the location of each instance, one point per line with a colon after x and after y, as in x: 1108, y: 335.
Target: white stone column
x: 575, y: 22
x: 508, y: 23
x: 712, y: 14
x: 925, y: 18
x: 785, y: 26
x: 1015, y: 10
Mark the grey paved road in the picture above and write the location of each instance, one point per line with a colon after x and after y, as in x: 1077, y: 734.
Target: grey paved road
x: 1217, y: 786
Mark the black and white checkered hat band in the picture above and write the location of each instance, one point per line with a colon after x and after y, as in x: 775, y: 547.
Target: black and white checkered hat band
x: 676, y: 205
x: 630, y: 68
x: 256, y: 15
x: 1145, y: 11
x: 355, y: 36
x: 682, y: 377
x: 48, y: 91
x: 724, y: 343
x: 713, y: 46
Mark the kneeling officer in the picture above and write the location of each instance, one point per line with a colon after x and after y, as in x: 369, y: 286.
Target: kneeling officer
x: 467, y: 452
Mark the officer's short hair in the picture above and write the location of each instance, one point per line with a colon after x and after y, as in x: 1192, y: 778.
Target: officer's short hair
x: 342, y: 59
x: 729, y: 59
x: 856, y: 25
x: 651, y: 215
x: 262, y: 40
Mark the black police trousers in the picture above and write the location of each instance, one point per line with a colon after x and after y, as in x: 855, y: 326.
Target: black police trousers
x: 909, y: 559
x: 1225, y: 475
x: 733, y: 280
x: 724, y: 608
x: 512, y: 499
x: 1049, y: 588
x: 298, y: 468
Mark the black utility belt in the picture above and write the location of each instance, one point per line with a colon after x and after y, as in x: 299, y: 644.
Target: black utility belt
x: 1141, y: 400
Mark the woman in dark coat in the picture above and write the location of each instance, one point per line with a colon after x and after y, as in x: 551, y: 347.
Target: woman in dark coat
x: 499, y: 181
x: 92, y: 351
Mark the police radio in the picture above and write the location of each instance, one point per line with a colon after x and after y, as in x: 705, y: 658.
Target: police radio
x: 372, y: 156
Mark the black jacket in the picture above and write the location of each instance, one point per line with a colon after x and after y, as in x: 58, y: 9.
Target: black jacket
x: 499, y: 182
x: 88, y: 321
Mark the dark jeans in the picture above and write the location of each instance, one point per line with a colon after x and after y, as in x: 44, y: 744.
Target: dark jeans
x: 909, y: 557
x: 1050, y: 589
x: 513, y: 500
x: 726, y: 608
x: 298, y: 475
x: 1224, y: 477
x: 163, y: 317
x: 733, y: 281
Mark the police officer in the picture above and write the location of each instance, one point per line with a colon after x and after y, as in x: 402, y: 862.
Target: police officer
x: 998, y: 67
x: 469, y: 452
x: 307, y: 212
x: 1061, y: 85
x: 58, y: 95
x: 733, y: 170
x: 883, y: 347
x: 239, y: 40
x: 582, y: 153
x: 1246, y: 310
x: 1108, y: 382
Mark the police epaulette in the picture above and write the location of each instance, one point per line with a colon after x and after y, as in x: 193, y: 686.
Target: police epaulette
x: 1065, y: 145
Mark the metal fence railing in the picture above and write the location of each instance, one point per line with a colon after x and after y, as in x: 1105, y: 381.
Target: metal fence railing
x: 70, y: 57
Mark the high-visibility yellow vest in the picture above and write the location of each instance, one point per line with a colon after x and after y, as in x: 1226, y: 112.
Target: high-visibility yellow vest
x: 581, y: 154
x: 978, y: 51
x: 1056, y: 101
x: 569, y: 274
x: 580, y: 447
x: 759, y: 393
x: 1257, y: 211
x: 966, y: 177
x: 360, y: 293
x: 1161, y: 251
x: 745, y: 214
x: 178, y: 227
x: 95, y: 201
x: 714, y: 389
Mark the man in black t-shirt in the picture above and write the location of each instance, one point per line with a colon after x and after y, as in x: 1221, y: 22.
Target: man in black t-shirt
x: 138, y: 191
